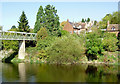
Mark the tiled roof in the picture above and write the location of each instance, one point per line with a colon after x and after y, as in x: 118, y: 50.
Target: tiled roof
x: 76, y: 25
x: 115, y: 26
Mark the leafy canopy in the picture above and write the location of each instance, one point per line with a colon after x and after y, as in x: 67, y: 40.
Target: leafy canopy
x: 23, y: 23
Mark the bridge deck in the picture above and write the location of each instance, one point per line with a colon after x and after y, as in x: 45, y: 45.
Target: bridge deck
x: 12, y: 35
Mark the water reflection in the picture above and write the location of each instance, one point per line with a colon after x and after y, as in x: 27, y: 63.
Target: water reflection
x: 25, y: 72
x: 22, y: 74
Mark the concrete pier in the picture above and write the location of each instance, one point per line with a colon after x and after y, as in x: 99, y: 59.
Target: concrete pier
x: 21, y: 53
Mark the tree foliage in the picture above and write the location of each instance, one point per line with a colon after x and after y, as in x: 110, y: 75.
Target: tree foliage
x: 40, y: 19
x: 41, y: 34
x: 11, y: 44
x: 94, y: 45
x: 88, y: 20
x: 83, y: 20
x: 95, y: 22
x: 113, y: 19
x: 45, y: 43
x: 66, y: 49
x: 110, y: 42
x: 13, y: 27
x: 23, y: 23
x: 47, y: 18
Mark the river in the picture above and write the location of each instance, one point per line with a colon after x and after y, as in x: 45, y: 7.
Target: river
x: 26, y: 72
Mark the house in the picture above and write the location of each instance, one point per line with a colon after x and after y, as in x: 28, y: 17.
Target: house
x: 77, y: 27
x: 113, y: 28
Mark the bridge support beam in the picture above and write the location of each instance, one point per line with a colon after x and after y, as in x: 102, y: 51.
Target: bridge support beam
x: 21, y: 52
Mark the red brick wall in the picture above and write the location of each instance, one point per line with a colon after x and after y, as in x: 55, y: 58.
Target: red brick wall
x: 68, y: 27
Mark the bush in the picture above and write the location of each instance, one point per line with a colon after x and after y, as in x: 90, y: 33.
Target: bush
x: 44, y: 43
x: 64, y: 32
x: 42, y: 54
x: 110, y: 42
x: 41, y: 34
x: 94, y: 45
x: 14, y: 45
x: 65, y: 49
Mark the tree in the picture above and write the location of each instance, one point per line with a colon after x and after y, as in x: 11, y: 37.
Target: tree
x: 88, y: 19
x: 114, y: 18
x: 95, y: 22
x: 13, y: 27
x: 11, y: 44
x: 51, y: 19
x: 94, y: 46
x: 110, y: 42
x: 40, y: 19
x: 41, y: 34
x: 103, y: 23
x: 83, y: 20
x: 67, y: 49
x: 23, y: 23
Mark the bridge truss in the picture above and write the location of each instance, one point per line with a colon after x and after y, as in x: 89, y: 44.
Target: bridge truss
x: 13, y: 35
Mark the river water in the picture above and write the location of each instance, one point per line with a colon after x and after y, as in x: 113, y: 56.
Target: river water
x: 26, y: 72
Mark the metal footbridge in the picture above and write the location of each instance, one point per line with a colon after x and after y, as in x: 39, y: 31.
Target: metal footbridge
x: 13, y: 35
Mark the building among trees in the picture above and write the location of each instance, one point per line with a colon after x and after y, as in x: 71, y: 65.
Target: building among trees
x: 113, y: 28
x: 77, y: 27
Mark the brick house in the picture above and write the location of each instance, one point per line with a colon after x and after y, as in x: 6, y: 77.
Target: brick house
x: 113, y: 28
x: 75, y: 27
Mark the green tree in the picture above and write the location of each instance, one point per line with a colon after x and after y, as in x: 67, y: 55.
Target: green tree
x: 67, y: 49
x: 110, y: 42
x: 51, y: 19
x: 114, y: 18
x: 13, y: 27
x: 103, y: 23
x: 95, y: 22
x: 11, y: 44
x: 40, y: 19
x: 83, y: 20
x: 88, y: 19
x: 23, y: 23
x: 41, y: 34
x: 94, y: 46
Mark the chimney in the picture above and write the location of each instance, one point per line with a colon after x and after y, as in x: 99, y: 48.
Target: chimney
x: 108, y: 23
x: 67, y: 20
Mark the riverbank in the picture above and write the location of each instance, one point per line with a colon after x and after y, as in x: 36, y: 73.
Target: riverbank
x: 109, y: 58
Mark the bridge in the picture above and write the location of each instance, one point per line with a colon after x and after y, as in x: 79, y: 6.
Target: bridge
x: 21, y: 37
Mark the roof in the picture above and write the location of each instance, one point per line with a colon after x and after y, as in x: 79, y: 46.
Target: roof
x: 77, y: 25
x: 115, y: 26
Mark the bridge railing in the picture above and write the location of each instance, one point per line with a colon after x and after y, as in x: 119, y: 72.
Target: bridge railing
x: 12, y: 35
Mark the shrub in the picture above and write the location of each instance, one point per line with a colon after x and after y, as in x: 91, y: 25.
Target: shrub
x: 65, y: 49
x: 42, y: 54
x: 44, y: 43
x: 64, y: 32
x: 14, y: 45
x: 41, y: 34
x: 94, y: 45
x: 110, y: 42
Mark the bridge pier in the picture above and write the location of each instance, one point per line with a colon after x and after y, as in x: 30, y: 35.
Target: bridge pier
x: 21, y: 52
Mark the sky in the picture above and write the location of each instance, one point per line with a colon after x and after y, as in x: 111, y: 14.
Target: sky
x: 74, y: 11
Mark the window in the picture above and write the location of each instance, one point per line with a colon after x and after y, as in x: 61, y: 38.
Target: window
x: 113, y: 28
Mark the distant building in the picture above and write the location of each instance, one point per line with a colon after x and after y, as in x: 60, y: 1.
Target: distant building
x: 74, y: 27
x: 113, y: 28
